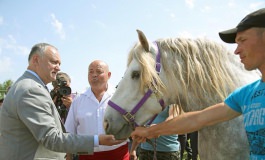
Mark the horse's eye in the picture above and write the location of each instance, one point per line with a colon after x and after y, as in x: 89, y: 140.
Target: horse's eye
x: 135, y: 74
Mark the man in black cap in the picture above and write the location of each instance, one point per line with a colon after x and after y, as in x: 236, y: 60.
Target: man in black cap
x: 248, y: 100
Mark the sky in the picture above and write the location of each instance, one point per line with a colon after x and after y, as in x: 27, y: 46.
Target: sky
x: 86, y: 30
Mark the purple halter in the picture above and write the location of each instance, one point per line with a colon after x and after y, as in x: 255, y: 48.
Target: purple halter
x: 130, y: 116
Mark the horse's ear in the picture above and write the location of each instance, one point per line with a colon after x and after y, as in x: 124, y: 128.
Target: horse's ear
x: 143, y: 40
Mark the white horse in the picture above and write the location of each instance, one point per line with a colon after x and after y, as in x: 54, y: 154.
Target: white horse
x: 192, y: 73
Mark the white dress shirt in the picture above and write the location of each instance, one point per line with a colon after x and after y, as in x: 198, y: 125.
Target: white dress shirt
x: 86, y: 116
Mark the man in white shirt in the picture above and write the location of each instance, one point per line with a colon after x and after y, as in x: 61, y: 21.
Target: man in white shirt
x: 86, y: 114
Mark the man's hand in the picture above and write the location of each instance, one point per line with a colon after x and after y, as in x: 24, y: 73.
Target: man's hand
x: 68, y: 156
x: 67, y: 101
x: 108, y: 140
x: 139, y: 134
x: 133, y: 155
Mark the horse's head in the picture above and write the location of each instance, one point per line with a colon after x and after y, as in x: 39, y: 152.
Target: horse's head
x: 139, y: 94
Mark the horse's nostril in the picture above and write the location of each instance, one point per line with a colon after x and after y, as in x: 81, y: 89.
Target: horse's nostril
x: 106, y: 124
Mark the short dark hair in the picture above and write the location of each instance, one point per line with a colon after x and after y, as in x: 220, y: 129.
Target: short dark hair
x: 39, y: 49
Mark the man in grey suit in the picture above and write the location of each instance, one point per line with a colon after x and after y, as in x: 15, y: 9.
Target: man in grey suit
x: 30, y: 126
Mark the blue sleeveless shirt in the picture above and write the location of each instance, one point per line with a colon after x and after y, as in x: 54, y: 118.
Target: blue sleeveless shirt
x: 167, y: 143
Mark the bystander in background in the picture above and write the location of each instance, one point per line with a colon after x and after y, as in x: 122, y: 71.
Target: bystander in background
x: 164, y: 147
x: 62, y: 94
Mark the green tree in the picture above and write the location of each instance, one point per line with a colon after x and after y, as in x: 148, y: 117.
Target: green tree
x: 4, y: 86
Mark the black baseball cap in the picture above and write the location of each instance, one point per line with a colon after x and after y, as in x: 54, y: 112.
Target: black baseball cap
x: 254, y: 19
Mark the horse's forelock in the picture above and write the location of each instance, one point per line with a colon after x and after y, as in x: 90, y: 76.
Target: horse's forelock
x: 149, y: 77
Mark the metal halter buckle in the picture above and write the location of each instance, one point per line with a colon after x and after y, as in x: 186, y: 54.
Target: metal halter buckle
x: 129, y: 117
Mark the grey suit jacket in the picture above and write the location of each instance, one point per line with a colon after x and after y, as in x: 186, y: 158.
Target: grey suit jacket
x: 30, y: 126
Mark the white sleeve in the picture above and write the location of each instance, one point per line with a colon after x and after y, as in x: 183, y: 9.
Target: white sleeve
x: 70, y: 123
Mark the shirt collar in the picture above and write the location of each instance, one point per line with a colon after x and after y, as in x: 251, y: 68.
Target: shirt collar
x: 36, y: 75
x: 110, y: 91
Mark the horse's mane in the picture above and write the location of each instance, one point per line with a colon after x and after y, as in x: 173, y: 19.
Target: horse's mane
x: 197, y: 68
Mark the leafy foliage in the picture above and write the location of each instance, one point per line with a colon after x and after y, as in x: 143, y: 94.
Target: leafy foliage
x: 4, y: 87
